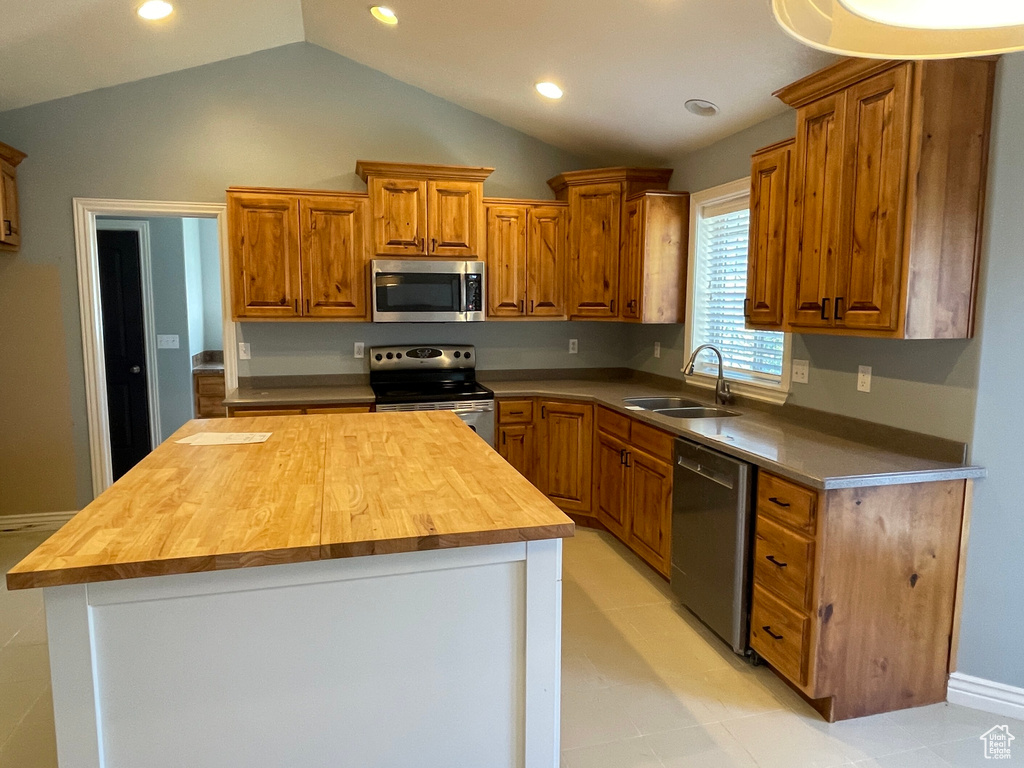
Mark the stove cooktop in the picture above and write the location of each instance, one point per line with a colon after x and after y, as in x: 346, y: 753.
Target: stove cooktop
x: 429, y: 392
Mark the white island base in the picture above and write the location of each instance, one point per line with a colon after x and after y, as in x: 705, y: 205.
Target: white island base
x: 441, y: 659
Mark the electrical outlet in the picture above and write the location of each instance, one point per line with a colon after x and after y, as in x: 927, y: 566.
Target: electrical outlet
x: 243, y: 351
x: 358, y: 349
x: 864, y: 378
x: 801, y: 368
x: 657, y: 349
x: 167, y: 341
x: 574, y: 346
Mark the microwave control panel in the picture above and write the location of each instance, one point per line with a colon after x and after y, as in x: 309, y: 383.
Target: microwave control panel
x: 474, y: 292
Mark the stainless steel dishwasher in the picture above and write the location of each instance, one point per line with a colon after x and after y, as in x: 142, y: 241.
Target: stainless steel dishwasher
x: 711, y: 508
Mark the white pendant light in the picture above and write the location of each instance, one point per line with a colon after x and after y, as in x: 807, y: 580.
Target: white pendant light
x: 905, y: 29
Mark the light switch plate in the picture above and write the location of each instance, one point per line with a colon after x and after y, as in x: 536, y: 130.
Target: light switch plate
x: 864, y: 378
x: 167, y: 341
x: 657, y: 349
x: 243, y: 351
x: 801, y: 370
x: 574, y: 346
x: 358, y: 349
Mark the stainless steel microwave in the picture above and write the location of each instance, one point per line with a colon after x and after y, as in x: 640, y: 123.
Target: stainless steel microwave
x: 427, y: 291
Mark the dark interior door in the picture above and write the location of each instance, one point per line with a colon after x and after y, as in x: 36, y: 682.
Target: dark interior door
x: 124, y: 348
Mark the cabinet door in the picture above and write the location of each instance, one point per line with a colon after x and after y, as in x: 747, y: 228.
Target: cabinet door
x: 10, y: 224
x: 611, y: 484
x: 455, y: 213
x: 877, y: 130
x: 566, y: 453
x: 516, y: 446
x: 632, y: 265
x: 399, y: 216
x: 545, y: 261
x: 650, y: 515
x: 766, y: 258
x: 594, y: 221
x: 506, y: 261
x: 334, y: 256
x: 817, y: 189
x: 265, y: 264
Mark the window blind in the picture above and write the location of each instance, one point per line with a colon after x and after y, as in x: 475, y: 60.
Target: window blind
x: 720, y: 275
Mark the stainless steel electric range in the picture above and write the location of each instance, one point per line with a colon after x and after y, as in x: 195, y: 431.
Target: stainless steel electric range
x: 432, y: 378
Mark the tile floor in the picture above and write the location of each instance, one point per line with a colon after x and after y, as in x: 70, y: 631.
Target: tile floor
x: 644, y: 685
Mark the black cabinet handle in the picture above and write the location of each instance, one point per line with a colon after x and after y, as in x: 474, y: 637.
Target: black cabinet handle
x: 515, y: 413
x: 531, y: 306
x: 771, y: 634
x: 7, y: 226
x: 611, y: 306
x: 520, y: 306
x: 628, y: 454
x: 771, y: 559
x: 838, y: 303
x: 307, y: 306
x: 543, y: 412
x: 746, y: 307
x: 622, y: 456
x: 296, y: 306
x: 433, y: 244
x: 824, y: 309
x: 503, y: 437
x: 774, y: 500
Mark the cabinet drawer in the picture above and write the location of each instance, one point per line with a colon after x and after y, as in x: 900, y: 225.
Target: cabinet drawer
x: 210, y: 407
x: 659, y: 444
x: 783, y: 562
x: 210, y: 385
x: 787, y: 502
x: 613, y: 423
x: 780, y: 634
x: 515, y: 411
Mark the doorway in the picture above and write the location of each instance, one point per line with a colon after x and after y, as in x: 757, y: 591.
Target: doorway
x: 93, y: 216
x: 127, y: 358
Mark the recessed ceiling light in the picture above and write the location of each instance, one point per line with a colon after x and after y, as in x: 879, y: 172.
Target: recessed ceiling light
x: 940, y: 14
x: 550, y: 90
x: 384, y: 15
x: 152, y: 10
x: 701, y: 108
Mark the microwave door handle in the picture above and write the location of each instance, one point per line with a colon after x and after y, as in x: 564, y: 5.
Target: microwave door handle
x: 462, y: 293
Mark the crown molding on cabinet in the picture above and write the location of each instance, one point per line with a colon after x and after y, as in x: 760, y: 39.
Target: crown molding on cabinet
x: 366, y: 168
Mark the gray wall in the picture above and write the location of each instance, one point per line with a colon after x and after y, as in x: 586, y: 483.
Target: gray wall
x: 209, y: 262
x: 296, y: 116
x: 993, y: 620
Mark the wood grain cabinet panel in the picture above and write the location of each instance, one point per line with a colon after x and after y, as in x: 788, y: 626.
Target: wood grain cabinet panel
x: 780, y: 634
x: 652, y: 277
x: 455, y: 218
x: 769, y: 223
x: 594, y: 227
x: 889, y: 177
x: 650, y: 514
x: 516, y: 444
x: 265, y: 263
x: 506, y: 260
x: 611, y: 483
x: 399, y: 216
x: 631, y: 264
x: 335, y: 255
x: 546, y: 243
x: 10, y: 221
x: 566, y: 433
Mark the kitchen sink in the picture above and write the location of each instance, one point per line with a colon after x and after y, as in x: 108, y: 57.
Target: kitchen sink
x: 657, y: 403
x: 699, y: 412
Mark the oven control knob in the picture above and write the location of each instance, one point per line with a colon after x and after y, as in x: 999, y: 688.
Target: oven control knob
x: 399, y: 355
x: 390, y: 356
x: 458, y: 355
x: 468, y: 355
x: 378, y: 357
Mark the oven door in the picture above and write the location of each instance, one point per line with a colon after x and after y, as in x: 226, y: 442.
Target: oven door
x: 425, y: 291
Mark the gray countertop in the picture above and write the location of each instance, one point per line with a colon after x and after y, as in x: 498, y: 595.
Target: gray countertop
x: 812, y: 457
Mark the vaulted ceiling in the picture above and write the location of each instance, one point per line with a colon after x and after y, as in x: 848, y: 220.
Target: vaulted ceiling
x: 627, y: 66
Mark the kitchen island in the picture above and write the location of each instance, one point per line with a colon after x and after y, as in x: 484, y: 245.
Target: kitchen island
x: 411, y: 615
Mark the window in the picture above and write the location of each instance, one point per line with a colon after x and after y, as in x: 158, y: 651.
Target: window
x: 756, y: 361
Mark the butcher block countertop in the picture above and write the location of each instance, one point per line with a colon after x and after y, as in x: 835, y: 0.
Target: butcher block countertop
x: 320, y: 487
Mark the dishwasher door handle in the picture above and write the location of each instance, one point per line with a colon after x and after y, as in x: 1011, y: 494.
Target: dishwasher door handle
x: 697, y: 469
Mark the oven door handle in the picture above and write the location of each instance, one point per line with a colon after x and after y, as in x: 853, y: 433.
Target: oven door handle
x: 474, y: 409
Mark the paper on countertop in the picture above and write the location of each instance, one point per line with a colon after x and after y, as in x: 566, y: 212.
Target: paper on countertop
x: 226, y: 438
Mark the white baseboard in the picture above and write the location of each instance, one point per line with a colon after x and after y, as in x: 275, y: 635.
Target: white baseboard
x: 986, y: 695
x: 35, y: 521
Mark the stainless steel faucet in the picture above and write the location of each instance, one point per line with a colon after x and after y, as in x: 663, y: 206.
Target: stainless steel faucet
x: 722, y: 393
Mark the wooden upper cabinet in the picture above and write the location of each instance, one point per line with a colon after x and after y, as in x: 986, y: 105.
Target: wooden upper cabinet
x: 769, y: 219
x: 10, y: 222
x: 889, y: 177
x: 816, y: 211
x: 399, y: 216
x: 875, y: 172
x: 454, y: 218
x: 506, y: 260
x: 652, y: 275
x: 426, y: 210
x: 335, y: 253
x: 265, y: 264
x: 546, y: 241
x: 594, y: 228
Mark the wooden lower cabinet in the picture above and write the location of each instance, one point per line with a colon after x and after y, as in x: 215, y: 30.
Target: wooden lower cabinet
x: 518, y: 446
x: 208, y: 394
x: 300, y: 410
x: 855, y: 591
x: 633, y: 486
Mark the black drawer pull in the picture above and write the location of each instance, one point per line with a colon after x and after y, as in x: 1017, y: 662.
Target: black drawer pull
x: 7, y: 227
x: 503, y: 437
x: 775, y: 500
x: 771, y: 634
x: 515, y: 413
x: 771, y: 559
